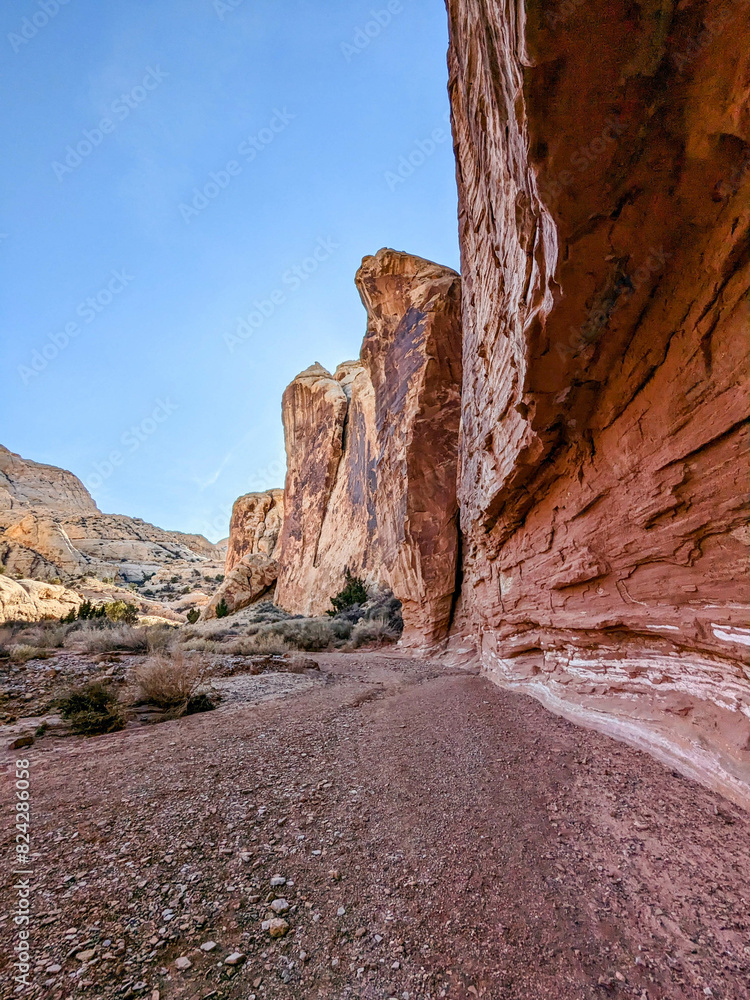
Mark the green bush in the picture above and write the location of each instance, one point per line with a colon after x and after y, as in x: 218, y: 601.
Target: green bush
x: 122, y: 613
x: 353, y: 593
x: 92, y: 709
x: 193, y: 615
x: 222, y: 609
x: 86, y: 612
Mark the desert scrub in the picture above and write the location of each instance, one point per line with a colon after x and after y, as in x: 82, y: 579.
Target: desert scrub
x: 309, y: 634
x: 122, y: 638
x: 92, y: 709
x: 172, y: 682
x: 121, y: 612
x: 373, y: 632
x: 46, y: 635
x: 261, y: 643
x: 222, y: 609
x: 22, y: 653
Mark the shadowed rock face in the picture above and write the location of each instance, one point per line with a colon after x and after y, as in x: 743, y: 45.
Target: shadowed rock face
x: 372, y: 453
x: 604, y: 182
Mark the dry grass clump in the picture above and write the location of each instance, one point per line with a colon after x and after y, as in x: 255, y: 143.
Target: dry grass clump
x: 21, y: 652
x: 170, y: 682
x: 264, y: 642
x: 24, y: 641
x: 160, y: 638
x: 309, y: 634
x: 373, y: 632
x: 95, y: 638
x: 51, y: 636
x: 123, y: 638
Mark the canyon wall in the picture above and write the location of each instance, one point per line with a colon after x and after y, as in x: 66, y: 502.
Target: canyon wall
x: 603, y: 164
x: 372, y: 453
x: 51, y: 530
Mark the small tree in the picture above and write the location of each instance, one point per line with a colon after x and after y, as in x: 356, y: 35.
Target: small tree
x: 193, y: 615
x: 222, y: 609
x: 122, y: 613
x: 353, y: 593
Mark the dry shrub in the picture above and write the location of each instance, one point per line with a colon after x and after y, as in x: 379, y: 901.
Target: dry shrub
x: 124, y: 638
x: 92, y: 709
x: 160, y: 638
x: 375, y: 631
x: 22, y: 653
x: 46, y: 636
x: 309, y: 634
x: 268, y: 643
x: 170, y: 682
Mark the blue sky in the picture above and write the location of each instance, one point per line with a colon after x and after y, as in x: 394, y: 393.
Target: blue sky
x: 173, y: 169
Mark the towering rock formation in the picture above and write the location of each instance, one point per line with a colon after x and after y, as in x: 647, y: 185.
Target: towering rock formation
x: 372, y: 453
x: 604, y: 182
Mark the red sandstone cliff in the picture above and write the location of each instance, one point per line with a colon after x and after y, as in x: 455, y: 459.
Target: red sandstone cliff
x: 603, y: 162
x: 372, y: 453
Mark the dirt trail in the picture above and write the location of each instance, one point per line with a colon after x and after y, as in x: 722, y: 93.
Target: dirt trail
x: 439, y: 837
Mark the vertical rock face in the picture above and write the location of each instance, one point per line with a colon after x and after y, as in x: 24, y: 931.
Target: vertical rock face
x: 255, y: 526
x: 372, y: 453
x: 604, y: 184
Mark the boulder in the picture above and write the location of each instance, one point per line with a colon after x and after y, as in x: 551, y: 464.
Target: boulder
x: 33, y: 600
x: 604, y: 204
x: 252, y: 579
x: 255, y: 526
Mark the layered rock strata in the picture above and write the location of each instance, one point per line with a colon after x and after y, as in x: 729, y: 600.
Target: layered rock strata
x: 50, y: 528
x: 604, y: 184
x: 372, y: 453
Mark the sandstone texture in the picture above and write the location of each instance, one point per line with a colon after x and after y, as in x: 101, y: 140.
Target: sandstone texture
x: 33, y: 600
x: 51, y: 530
x: 604, y: 183
x: 255, y: 526
x: 372, y: 453
x: 252, y: 579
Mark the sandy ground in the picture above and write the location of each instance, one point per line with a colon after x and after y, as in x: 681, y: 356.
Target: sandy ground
x: 438, y: 838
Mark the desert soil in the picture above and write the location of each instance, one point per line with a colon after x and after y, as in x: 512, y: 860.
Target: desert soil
x: 439, y: 838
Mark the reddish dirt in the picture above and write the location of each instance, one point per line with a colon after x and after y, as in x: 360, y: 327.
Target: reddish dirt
x: 479, y: 846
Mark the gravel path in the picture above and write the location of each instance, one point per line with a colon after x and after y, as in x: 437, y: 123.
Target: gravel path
x: 438, y: 838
